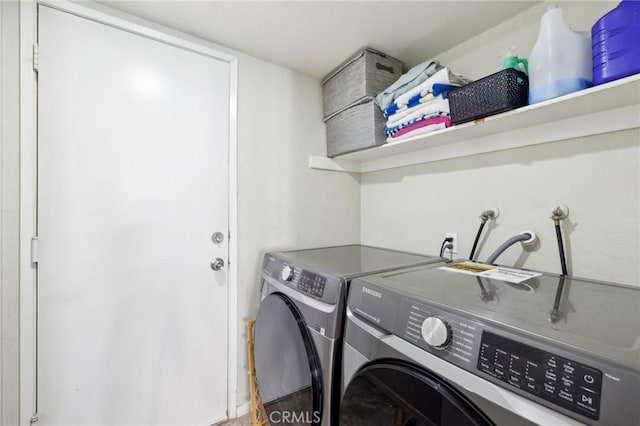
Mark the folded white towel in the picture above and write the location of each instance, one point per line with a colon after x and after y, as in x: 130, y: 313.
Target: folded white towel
x: 444, y: 76
x: 436, y: 105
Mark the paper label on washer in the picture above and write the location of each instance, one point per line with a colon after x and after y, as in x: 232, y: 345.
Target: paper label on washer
x: 471, y: 268
x: 509, y: 275
x: 501, y: 273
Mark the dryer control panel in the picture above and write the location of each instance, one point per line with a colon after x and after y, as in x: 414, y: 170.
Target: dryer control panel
x: 319, y: 286
x: 312, y: 283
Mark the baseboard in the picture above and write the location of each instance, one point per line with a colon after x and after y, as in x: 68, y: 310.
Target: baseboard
x: 243, y: 409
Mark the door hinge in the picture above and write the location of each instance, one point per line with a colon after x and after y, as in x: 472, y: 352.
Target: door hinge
x: 36, y: 57
x: 34, y: 418
x: 35, y: 256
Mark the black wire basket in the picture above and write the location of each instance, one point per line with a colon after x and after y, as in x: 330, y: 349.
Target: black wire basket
x: 503, y: 91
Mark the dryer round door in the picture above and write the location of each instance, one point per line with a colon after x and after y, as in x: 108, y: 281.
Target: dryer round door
x: 398, y: 393
x: 287, y: 367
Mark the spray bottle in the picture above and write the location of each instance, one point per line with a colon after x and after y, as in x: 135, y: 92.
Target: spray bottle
x: 511, y: 60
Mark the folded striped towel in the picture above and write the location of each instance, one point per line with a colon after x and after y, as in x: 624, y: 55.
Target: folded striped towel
x: 438, y: 89
x: 444, y: 76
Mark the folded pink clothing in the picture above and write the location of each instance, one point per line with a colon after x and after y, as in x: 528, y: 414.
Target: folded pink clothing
x: 423, y: 123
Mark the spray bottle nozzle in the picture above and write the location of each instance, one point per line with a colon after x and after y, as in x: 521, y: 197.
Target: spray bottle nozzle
x: 511, y: 60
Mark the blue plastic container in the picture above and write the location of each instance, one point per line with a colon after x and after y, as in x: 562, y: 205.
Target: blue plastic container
x: 615, y: 42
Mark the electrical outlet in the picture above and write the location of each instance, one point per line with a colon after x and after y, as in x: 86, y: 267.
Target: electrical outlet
x: 453, y: 235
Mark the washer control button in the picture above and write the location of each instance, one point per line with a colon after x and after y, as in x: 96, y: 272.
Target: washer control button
x: 436, y: 332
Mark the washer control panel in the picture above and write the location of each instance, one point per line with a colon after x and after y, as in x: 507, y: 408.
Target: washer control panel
x: 449, y: 336
x: 563, y: 382
x: 567, y: 383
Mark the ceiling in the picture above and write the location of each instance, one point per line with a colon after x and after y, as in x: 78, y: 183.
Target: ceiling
x: 313, y: 37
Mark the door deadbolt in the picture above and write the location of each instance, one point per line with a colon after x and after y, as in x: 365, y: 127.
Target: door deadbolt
x: 217, y: 237
x: 217, y: 264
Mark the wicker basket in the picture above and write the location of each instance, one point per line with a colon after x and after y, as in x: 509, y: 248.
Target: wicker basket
x: 503, y: 91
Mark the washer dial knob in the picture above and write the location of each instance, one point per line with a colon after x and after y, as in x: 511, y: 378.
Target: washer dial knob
x: 436, y: 332
x: 287, y: 273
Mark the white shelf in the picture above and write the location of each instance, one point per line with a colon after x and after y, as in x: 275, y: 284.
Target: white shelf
x: 602, y: 109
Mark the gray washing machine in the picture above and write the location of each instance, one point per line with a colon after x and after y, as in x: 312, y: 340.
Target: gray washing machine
x: 299, y: 326
x: 432, y: 347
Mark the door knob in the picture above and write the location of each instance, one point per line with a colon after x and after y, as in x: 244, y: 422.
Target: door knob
x: 217, y: 264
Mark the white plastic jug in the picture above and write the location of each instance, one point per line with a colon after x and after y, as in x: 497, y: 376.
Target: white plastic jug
x: 560, y: 61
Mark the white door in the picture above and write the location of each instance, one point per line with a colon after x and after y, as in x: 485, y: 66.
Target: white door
x: 132, y: 183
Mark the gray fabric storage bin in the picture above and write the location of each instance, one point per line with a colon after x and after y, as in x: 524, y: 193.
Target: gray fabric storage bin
x: 365, y: 74
x: 358, y: 127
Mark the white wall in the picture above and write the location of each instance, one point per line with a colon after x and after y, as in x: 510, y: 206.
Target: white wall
x: 597, y: 177
x: 9, y: 206
x: 282, y: 203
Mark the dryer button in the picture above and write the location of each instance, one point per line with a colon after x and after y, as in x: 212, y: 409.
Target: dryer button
x: 287, y: 273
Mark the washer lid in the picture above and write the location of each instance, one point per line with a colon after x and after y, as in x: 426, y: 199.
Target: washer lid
x: 353, y: 260
x: 601, y: 319
x: 391, y: 392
